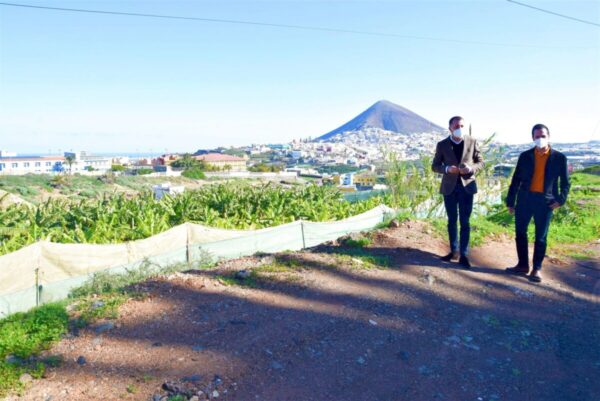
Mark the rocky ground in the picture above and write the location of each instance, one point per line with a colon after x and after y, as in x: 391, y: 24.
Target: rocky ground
x: 387, y: 322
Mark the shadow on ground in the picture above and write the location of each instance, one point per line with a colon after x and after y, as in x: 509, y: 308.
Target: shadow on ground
x: 415, y: 329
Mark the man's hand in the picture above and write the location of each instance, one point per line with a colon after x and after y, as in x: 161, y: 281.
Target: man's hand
x: 511, y: 210
x: 453, y: 170
x: 465, y: 170
x: 555, y: 205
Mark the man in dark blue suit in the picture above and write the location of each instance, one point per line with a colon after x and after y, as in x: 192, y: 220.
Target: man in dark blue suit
x: 540, y: 184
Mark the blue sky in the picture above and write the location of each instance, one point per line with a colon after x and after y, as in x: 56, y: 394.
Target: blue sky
x: 114, y: 83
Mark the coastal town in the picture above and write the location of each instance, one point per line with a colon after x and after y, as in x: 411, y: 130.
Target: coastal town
x: 355, y: 163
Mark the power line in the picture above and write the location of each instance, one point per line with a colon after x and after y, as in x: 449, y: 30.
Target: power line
x: 287, y: 26
x: 554, y: 13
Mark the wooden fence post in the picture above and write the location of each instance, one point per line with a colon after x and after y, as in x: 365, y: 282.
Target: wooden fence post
x: 302, y: 229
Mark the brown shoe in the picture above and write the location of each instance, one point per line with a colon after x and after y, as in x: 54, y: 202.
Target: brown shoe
x: 518, y: 270
x: 535, y: 276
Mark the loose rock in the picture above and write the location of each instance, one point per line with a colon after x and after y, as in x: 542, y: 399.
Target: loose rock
x: 191, y: 379
x: 104, y: 327
x: 242, y: 274
x: 97, y: 304
x: 25, y: 378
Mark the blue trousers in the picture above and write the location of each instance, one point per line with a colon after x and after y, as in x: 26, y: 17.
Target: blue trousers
x: 459, y: 205
x: 532, y: 204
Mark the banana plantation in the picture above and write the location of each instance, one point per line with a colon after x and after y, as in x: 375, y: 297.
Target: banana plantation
x: 117, y: 218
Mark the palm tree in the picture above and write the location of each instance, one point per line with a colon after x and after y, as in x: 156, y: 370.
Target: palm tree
x: 70, y: 159
x: 186, y: 161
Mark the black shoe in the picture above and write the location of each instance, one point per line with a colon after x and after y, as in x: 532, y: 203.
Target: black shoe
x: 535, y: 276
x: 518, y: 270
x: 449, y: 257
x: 464, y: 262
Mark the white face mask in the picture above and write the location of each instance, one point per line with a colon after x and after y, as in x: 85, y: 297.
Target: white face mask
x: 541, y: 142
x: 458, y: 133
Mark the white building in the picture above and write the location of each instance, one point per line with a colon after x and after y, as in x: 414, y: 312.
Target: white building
x: 6, y: 153
x: 31, y: 165
x: 297, y: 154
x: 84, y: 162
x: 121, y: 160
x: 302, y: 171
x: 347, y: 179
x: 167, y: 189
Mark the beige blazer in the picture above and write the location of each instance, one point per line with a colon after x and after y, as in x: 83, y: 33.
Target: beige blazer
x: 444, y: 156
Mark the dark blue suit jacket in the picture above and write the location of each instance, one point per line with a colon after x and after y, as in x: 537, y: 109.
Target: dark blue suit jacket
x: 556, y: 170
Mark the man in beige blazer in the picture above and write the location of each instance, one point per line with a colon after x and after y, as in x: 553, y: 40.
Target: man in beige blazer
x: 458, y: 158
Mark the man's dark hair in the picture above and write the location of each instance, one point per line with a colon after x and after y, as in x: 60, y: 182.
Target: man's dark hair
x: 453, y: 119
x: 539, y: 126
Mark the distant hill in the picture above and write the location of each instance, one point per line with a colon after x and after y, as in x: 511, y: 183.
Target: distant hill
x: 387, y: 116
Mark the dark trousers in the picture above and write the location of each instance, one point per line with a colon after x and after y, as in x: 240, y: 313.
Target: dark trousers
x: 459, y: 205
x: 532, y: 204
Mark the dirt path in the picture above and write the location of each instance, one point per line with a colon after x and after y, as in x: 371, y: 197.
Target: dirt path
x: 328, y: 326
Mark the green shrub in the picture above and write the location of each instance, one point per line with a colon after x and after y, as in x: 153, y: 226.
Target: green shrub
x: 591, y: 170
x: 106, y: 306
x: 359, y: 259
x: 357, y: 243
x: 88, y: 193
x: 585, y: 179
x: 194, y: 173
x: 24, y: 334
x: 60, y: 181
x: 266, y: 168
x: 23, y: 191
x: 188, y: 161
x: 9, y: 377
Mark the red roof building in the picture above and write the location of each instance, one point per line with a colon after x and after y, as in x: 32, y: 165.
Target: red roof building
x: 221, y: 161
